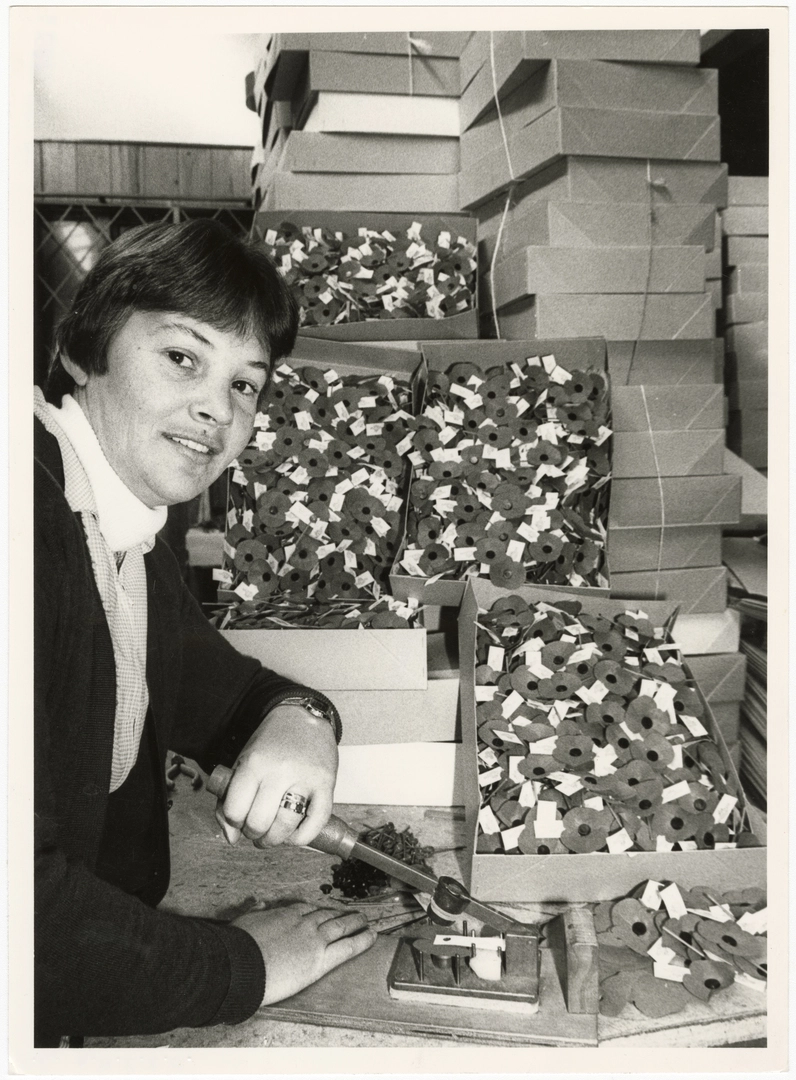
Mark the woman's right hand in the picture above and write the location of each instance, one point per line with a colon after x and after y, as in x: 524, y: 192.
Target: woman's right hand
x: 300, y: 943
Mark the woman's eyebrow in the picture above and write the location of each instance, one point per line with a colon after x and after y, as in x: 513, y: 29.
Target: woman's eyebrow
x: 175, y: 325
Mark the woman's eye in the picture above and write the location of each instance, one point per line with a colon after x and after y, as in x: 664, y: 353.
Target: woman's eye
x: 180, y: 358
x: 247, y: 388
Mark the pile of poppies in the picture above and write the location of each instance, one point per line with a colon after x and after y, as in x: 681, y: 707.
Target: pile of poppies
x: 511, y: 476
x: 341, y: 278
x: 663, y: 946
x: 316, y: 498
x: 591, y: 737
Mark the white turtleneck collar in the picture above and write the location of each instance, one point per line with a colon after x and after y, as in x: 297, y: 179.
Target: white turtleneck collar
x: 124, y: 520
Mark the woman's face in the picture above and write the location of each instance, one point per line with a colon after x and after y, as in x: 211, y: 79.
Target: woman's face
x: 176, y: 405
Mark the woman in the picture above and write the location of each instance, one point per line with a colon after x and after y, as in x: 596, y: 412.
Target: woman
x: 157, y: 373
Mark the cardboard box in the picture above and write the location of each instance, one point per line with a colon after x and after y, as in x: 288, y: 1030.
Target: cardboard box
x: 696, y: 590
x: 588, y: 84
x: 384, y: 114
x: 463, y: 325
x: 747, y: 249
x: 749, y: 367
x: 405, y: 774
x: 400, y: 716
x: 582, y: 878
x: 583, y: 355
x: 373, y: 192
x: 699, y: 635
x: 746, y: 308
x: 667, y: 408
x: 612, y: 180
x: 676, y: 500
x: 748, y: 394
x: 665, y: 362
x: 748, y: 191
x: 728, y: 719
x: 716, y: 292
x: 622, y: 316
x: 721, y: 678
x: 316, y: 151
x: 285, y: 57
x: 536, y: 270
x: 599, y: 225
x: 379, y: 73
x: 747, y: 435
x: 751, y: 278
x: 713, y: 264
x: 519, y: 54
x: 668, y: 453
x: 671, y: 548
x: 748, y: 340
x: 745, y: 221
x: 362, y: 659
x: 591, y: 132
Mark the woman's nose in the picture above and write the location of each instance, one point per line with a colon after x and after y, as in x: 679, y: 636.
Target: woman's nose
x: 213, y: 405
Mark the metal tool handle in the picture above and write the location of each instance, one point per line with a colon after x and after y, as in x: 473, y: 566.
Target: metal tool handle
x: 335, y: 838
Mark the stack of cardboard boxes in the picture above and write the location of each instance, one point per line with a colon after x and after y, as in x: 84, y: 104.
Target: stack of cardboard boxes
x: 744, y: 225
x: 366, y: 122
x: 592, y: 161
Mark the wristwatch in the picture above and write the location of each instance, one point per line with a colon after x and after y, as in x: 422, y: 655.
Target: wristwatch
x: 321, y: 709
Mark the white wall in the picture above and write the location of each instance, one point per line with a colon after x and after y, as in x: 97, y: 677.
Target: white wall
x: 168, y: 86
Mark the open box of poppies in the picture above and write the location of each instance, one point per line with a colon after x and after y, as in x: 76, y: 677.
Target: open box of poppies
x: 341, y: 276
x: 592, y: 737
x: 662, y: 946
x: 511, y: 470
x: 315, y: 504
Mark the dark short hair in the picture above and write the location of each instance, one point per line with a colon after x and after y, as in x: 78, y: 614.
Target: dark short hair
x: 197, y: 268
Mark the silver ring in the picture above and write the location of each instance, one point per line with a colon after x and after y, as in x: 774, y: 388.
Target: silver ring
x: 297, y: 803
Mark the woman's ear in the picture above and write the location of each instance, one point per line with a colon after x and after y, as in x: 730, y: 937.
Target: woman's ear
x: 78, y: 374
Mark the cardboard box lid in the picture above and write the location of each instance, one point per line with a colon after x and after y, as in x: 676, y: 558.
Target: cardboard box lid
x: 748, y: 191
x: 386, y: 114
x: 667, y: 408
x: 680, y: 546
x: 676, y: 500
x: 721, y: 677
x: 667, y: 453
x: 318, y: 151
x: 362, y: 659
x: 591, y: 132
x: 537, y: 270
x: 370, y: 192
x: 660, y: 363
x: 632, y: 317
x: 695, y: 589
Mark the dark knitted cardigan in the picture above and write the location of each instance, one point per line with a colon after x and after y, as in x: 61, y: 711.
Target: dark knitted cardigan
x: 105, y: 962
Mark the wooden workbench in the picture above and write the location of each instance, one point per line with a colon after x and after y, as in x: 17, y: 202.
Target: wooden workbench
x: 209, y: 878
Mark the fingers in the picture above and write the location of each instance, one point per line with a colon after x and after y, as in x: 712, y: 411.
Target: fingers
x: 346, y: 948
x: 333, y: 925
x: 283, y: 825
x: 231, y: 834
x: 318, y: 813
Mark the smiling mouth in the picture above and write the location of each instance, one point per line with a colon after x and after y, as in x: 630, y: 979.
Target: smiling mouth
x: 200, y: 448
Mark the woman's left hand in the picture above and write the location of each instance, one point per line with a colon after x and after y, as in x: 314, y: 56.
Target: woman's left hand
x: 291, y: 751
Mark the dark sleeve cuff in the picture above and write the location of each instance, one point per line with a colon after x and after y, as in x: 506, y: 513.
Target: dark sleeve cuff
x: 247, y: 975
x: 258, y: 701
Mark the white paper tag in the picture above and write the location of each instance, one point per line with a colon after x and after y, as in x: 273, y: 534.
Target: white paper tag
x: 754, y: 922
x: 673, y: 901
x: 651, y: 897
x: 527, y: 796
x: 490, y: 777
x: 724, y: 808
x: 594, y: 802
x: 487, y: 820
x: 676, y: 791
x: 619, y: 841
x: 696, y: 728
x: 510, y: 836
x: 494, y: 657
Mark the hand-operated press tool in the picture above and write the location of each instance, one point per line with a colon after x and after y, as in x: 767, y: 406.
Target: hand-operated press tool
x: 443, y: 959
